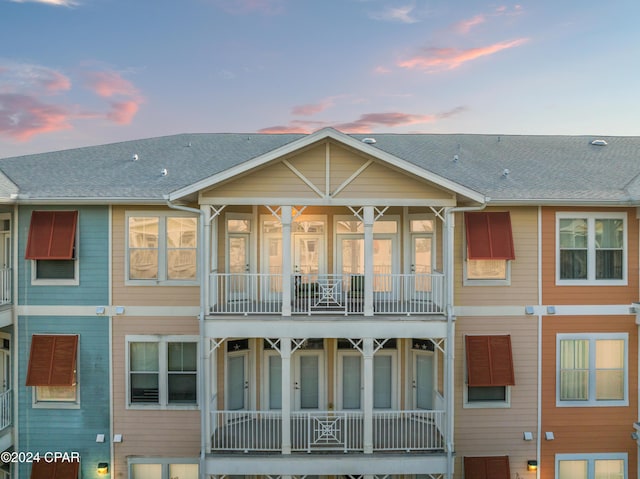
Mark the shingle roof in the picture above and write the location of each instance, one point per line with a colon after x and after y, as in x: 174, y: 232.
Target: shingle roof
x: 545, y: 168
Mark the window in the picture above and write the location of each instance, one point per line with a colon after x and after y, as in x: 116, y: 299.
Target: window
x: 163, y: 470
x: 591, y: 466
x: 53, y: 370
x: 51, y: 245
x: 162, y: 371
x: 58, y: 469
x: 592, y: 369
x: 592, y: 248
x: 489, y: 467
x: 489, y: 246
x: 489, y: 371
x: 162, y: 248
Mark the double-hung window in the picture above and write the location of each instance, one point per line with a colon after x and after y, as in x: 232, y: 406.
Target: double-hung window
x: 591, y: 466
x: 161, y: 248
x: 592, y: 369
x: 162, y: 371
x: 591, y: 248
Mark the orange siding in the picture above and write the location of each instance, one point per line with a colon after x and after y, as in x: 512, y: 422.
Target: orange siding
x: 586, y: 429
x: 553, y: 294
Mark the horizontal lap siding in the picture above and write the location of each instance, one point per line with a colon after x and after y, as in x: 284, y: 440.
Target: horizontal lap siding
x: 92, y: 253
x: 587, y: 429
x: 523, y: 288
x: 499, y: 431
x: 553, y: 294
x: 168, y: 433
x: 126, y: 295
x: 66, y: 430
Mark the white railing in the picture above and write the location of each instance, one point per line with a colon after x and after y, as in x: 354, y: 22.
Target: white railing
x: 408, y: 430
x: 5, y: 409
x: 246, y: 430
x: 5, y: 286
x: 408, y: 293
x: 318, y: 431
x: 258, y: 293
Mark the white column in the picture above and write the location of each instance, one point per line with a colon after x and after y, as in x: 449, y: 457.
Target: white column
x: 369, y: 218
x: 285, y: 353
x: 211, y: 385
x: 286, y: 218
x: 367, y: 353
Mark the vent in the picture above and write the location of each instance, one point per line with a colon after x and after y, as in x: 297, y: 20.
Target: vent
x: 599, y: 142
x: 369, y: 141
x: 164, y: 172
x: 135, y: 157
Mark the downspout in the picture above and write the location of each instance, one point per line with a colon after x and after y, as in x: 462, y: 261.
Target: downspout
x: 450, y: 353
x: 202, y: 365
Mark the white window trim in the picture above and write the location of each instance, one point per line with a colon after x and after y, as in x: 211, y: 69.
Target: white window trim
x: 164, y: 463
x: 75, y: 281
x: 482, y: 282
x: 591, y: 217
x: 466, y: 404
x: 162, y: 249
x: 591, y: 401
x: 591, y: 458
x: 163, y: 400
x: 60, y: 404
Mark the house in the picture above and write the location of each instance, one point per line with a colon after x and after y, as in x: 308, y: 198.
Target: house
x: 325, y: 305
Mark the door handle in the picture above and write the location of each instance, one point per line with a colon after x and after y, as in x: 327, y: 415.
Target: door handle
x: 246, y: 384
x: 296, y: 385
x: 413, y: 384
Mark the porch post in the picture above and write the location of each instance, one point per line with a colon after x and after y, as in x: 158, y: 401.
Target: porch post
x: 285, y: 219
x: 285, y: 354
x: 369, y: 218
x: 367, y: 353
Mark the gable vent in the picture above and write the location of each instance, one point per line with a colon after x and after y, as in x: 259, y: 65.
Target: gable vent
x: 599, y: 143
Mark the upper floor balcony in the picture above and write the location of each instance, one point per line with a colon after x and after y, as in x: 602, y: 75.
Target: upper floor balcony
x: 392, y: 293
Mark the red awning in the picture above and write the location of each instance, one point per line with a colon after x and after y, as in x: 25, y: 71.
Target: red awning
x: 58, y: 469
x: 52, y: 235
x: 489, y: 361
x: 52, y: 360
x: 489, y: 235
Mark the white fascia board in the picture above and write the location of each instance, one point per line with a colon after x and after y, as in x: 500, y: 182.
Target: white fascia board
x: 260, y: 200
x: 341, y: 138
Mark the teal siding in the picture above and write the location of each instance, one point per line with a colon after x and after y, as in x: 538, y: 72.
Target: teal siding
x: 93, y: 254
x: 66, y: 430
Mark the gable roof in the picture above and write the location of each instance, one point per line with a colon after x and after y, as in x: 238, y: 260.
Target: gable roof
x: 541, y: 169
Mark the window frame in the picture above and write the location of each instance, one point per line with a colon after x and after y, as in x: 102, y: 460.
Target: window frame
x: 591, y: 401
x: 163, y: 249
x: 591, y: 217
x: 487, y: 404
x: 163, y: 371
x: 163, y: 462
x: 466, y: 280
x: 591, y: 459
x: 75, y: 281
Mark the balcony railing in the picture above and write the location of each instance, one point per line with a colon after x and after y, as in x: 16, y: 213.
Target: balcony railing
x: 5, y: 286
x: 258, y: 293
x: 5, y: 409
x: 323, y: 431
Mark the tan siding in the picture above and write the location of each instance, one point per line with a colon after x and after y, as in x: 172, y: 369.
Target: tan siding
x: 495, y: 432
x: 125, y: 295
x: 553, y: 294
x: 587, y: 429
x: 149, y: 432
x: 312, y: 164
x: 523, y: 289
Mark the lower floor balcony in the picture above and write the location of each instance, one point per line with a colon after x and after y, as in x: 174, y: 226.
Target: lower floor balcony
x: 328, y: 431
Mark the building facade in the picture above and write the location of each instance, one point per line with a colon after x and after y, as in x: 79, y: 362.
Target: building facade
x: 324, y: 305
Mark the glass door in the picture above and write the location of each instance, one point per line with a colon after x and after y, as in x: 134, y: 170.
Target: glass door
x: 307, y: 380
x: 239, y: 266
x: 423, y: 380
x: 421, y: 259
x: 237, y: 381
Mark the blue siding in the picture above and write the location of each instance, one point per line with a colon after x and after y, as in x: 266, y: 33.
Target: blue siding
x: 41, y: 430
x: 93, y: 254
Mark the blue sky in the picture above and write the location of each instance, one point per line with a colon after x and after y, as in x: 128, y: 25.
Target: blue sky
x: 86, y: 72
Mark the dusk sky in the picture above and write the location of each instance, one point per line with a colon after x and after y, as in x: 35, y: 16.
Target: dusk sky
x: 87, y: 72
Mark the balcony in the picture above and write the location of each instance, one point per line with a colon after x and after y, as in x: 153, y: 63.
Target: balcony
x: 327, y: 431
x: 257, y: 293
x: 5, y: 286
x: 5, y: 409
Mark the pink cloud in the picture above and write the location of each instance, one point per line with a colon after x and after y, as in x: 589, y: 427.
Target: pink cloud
x: 465, y: 26
x: 366, y: 123
x: 108, y: 83
x: 311, y: 108
x: 22, y: 117
x: 123, y: 112
x: 437, y: 59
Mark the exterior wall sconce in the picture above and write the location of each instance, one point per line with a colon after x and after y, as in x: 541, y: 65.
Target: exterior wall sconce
x: 551, y: 310
x: 117, y: 438
x: 529, y: 310
x: 549, y: 436
x: 100, y: 309
x: 528, y: 436
x: 99, y: 437
x: 103, y: 468
x: 532, y: 466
